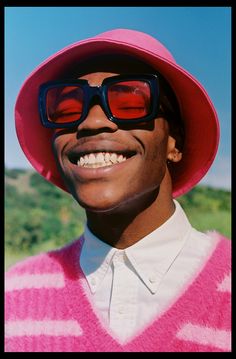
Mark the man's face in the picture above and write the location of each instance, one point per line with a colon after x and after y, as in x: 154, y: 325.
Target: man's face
x: 136, y: 157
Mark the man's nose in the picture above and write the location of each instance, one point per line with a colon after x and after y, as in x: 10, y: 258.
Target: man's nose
x: 95, y: 120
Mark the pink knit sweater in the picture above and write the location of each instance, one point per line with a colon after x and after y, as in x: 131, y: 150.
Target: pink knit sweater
x: 48, y: 311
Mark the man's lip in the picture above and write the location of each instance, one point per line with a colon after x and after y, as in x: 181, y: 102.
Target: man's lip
x: 84, y: 174
x: 78, y: 150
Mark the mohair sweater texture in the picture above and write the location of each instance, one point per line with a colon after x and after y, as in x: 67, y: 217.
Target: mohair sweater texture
x: 47, y: 310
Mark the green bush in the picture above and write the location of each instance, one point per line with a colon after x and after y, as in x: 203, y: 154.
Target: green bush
x: 14, y: 173
x: 47, y: 214
x: 208, y: 209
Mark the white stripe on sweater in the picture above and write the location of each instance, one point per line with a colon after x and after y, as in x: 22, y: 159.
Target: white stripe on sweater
x: 225, y: 285
x: 207, y: 336
x: 42, y: 327
x: 37, y: 281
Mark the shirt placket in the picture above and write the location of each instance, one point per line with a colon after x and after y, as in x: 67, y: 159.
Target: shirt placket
x: 123, y: 303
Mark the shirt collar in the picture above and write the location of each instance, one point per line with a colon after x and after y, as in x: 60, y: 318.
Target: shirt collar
x: 151, y: 257
x: 95, y: 259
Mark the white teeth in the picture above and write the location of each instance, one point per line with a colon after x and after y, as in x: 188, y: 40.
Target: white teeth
x: 86, y: 159
x: 101, y: 159
x: 82, y: 161
x: 113, y: 158
x: 91, y: 159
x: 121, y: 159
x: 107, y: 157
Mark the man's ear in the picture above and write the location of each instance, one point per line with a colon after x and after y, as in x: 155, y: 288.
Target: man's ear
x: 173, y: 154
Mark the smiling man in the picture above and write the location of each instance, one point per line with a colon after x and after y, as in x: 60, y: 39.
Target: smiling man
x: 115, y: 168
x: 117, y: 123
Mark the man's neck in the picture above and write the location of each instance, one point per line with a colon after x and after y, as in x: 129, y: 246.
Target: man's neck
x: 123, y: 227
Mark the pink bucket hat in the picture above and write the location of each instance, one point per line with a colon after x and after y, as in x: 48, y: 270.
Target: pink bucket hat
x: 198, y: 113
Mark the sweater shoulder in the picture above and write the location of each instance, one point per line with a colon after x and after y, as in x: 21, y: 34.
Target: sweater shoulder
x: 46, y: 262
x: 216, y: 269
x: 222, y: 252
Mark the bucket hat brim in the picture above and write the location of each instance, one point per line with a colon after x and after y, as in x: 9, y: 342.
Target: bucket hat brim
x: 198, y: 113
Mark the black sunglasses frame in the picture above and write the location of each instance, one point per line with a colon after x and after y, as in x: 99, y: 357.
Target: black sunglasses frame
x: 99, y: 91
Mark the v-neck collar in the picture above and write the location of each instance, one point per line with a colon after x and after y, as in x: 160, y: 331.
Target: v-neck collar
x: 84, y: 312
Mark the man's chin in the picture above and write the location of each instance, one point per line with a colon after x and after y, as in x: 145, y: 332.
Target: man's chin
x: 96, y: 203
x: 116, y: 205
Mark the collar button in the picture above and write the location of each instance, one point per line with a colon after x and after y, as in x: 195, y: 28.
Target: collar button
x: 93, y: 281
x: 152, y: 279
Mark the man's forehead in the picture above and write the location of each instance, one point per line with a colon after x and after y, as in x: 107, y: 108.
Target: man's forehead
x: 116, y: 63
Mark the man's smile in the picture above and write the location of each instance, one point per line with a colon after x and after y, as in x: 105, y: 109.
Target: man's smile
x: 99, y: 154
x: 100, y: 159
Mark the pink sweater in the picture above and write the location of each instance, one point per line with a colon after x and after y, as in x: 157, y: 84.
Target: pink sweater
x: 48, y: 311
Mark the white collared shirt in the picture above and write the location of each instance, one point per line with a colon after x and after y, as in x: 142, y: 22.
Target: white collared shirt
x: 131, y: 287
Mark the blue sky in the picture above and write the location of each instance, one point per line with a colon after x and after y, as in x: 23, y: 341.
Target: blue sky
x: 198, y: 37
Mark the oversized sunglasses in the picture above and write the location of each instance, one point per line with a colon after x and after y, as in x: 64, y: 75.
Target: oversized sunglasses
x: 123, y: 98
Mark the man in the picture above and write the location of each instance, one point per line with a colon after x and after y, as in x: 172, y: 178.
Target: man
x: 117, y: 123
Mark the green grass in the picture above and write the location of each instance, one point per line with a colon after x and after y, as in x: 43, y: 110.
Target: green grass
x: 12, y: 257
x: 219, y: 221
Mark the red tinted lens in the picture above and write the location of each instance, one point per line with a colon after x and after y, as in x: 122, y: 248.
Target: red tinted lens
x: 129, y: 99
x: 64, y: 104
